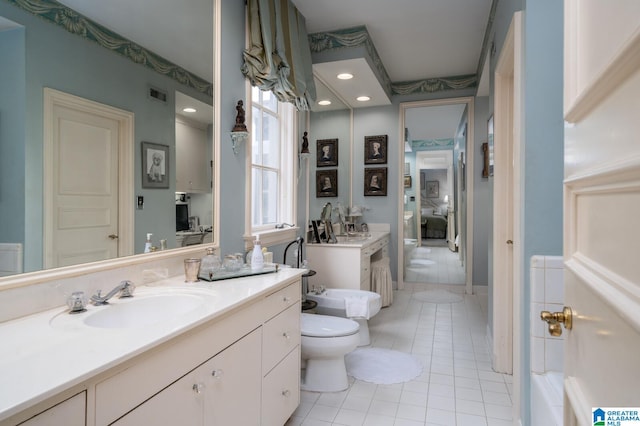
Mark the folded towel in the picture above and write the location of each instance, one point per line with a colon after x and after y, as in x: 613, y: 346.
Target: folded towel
x: 357, y: 306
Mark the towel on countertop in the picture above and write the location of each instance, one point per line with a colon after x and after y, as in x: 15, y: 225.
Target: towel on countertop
x: 357, y: 306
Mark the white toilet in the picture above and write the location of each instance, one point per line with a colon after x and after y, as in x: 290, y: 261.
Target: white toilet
x: 334, y: 302
x: 325, y: 342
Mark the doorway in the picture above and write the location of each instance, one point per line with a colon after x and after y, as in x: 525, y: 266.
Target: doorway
x: 438, y: 138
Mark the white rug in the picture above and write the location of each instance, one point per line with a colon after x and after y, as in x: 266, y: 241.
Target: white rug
x: 437, y: 296
x: 382, y: 366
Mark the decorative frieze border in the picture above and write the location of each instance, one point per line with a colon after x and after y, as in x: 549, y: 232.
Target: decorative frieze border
x: 75, y: 23
x: 446, y: 143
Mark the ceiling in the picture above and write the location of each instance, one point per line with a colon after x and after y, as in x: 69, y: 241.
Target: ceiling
x: 415, y: 39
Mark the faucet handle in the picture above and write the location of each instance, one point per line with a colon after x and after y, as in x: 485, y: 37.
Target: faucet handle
x: 77, y: 302
x: 127, y: 289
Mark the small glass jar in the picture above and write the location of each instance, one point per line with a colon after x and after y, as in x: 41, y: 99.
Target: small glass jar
x: 210, y: 264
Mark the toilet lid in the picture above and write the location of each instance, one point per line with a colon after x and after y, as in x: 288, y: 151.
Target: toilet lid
x: 314, y: 325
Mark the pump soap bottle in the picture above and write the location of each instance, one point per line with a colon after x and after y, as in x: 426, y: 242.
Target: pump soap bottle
x: 147, y: 244
x: 257, y: 259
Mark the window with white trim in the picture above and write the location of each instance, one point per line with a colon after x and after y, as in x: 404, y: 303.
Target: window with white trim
x: 272, y: 161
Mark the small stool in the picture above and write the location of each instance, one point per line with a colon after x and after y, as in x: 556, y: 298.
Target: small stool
x: 381, y: 281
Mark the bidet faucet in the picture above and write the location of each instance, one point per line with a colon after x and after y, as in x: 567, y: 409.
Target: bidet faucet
x: 125, y: 288
x: 318, y: 289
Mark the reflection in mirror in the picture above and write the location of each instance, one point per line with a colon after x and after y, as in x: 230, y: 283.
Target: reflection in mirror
x: 431, y: 195
x: 117, y: 58
x: 330, y: 121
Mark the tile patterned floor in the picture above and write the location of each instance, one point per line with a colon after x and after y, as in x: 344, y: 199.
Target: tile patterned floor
x: 457, y: 386
x: 446, y: 268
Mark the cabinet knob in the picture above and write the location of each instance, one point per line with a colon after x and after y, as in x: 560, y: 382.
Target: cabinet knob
x: 286, y: 393
x: 217, y: 374
x: 198, y: 388
x: 286, y: 299
x: 286, y: 335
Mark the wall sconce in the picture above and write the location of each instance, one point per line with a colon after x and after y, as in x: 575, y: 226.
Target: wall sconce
x: 239, y: 133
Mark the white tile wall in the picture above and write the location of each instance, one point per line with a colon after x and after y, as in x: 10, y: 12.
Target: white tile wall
x: 547, y: 293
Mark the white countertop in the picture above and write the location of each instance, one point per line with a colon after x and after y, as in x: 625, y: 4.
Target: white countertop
x: 356, y: 242
x: 39, y: 359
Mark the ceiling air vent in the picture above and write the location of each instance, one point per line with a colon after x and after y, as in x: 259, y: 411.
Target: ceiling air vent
x: 157, y: 94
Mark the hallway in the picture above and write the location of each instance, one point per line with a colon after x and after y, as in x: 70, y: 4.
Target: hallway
x: 442, y: 266
x: 457, y: 385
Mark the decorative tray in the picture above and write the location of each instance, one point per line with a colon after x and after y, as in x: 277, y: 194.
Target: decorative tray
x: 245, y: 271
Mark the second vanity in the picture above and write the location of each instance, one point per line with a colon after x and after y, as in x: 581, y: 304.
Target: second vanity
x: 225, y: 353
x: 346, y: 264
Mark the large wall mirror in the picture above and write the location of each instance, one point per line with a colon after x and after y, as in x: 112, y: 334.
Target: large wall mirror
x: 68, y: 69
x: 331, y: 131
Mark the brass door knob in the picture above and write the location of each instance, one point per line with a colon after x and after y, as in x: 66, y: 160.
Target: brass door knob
x: 554, y: 319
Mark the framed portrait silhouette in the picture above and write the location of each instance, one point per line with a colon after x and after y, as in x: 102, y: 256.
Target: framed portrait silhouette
x: 375, y: 181
x: 327, y: 152
x: 375, y: 149
x: 326, y: 183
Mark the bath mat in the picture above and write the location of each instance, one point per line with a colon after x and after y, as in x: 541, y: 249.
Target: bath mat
x: 382, y: 366
x: 437, y: 296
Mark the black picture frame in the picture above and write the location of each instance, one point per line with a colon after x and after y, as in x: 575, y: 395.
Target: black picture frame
x: 326, y: 183
x: 156, y: 167
x: 375, y: 182
x: 326, y: 152
x: 375, y: 149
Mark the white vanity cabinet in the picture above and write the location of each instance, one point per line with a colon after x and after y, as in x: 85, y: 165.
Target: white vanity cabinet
x: 193, y: 165
x: 346, y: 265
x: 216, y: 393
x: 71, y: 412
x: 221, y: 374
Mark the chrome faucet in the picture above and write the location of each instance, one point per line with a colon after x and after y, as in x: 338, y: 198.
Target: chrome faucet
x: 125, y: 288
x: 318, y: 289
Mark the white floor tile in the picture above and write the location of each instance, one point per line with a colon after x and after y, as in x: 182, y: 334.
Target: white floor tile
x: 456, y: 387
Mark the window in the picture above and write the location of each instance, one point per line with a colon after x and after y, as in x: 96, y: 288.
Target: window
x: 272, y: 162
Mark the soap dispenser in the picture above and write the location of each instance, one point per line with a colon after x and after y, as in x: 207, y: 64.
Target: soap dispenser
x: 257, y: 258
x: 147, y: 244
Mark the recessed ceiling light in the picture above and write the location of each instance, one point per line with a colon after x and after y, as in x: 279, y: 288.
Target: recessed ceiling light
x: 363, y: 98
x: 345, y: 76
x: 324, y: 102
x: 189, y: 109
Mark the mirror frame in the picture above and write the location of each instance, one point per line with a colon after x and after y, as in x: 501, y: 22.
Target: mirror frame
x: 470, y: 154
x: 45, y: 275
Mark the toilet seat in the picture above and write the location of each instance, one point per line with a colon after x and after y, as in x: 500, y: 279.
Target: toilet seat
x: 313, y: 325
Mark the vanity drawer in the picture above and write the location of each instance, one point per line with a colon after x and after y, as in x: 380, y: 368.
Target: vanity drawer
x: 280, y: 335
x: 282, y: 299
x: 281, y: 390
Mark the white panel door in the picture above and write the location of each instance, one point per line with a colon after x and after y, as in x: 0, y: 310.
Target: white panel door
x: 85, y: 180
x: 88, y: 180
x: 602, y: 206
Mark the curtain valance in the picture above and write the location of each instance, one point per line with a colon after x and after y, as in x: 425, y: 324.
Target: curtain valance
x: 278, y: 58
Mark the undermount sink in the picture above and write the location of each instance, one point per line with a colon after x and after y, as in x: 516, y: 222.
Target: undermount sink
x: 138, y: 311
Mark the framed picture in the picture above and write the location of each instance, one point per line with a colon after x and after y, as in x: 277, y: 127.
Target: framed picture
x: 327, y: 152
x: 407, y: 181
x: 327, y: 183
x: 490, y: 142
x: 375, y: 181
x: 485, y: 163
x: 155, y: 165
x: 375, y: 149
x: 407, y: 169
x: 433, y: 190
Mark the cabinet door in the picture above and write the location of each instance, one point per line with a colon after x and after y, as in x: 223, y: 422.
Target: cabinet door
x: 179, y: 404
x: 281, y: 390
x: 69, y: 413
x: 233, y: 383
